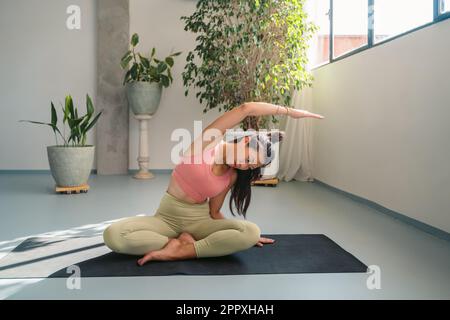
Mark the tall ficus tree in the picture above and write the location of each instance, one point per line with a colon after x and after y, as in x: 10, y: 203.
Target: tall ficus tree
x: 248, y: 50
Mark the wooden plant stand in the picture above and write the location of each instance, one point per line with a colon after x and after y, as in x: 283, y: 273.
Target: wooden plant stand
x: 69, y: 190
x: 266, y: 182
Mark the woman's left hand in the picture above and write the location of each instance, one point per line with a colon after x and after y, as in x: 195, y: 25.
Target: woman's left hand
x: 262, y: 241
x: 296, y: 114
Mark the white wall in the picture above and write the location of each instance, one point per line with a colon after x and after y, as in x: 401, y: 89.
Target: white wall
x: 45, y: 61
x: 158, y: 24
x: 41, y: 60
x: 386, y: 133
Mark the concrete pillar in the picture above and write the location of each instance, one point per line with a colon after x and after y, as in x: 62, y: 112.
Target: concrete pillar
x: 113, y: 21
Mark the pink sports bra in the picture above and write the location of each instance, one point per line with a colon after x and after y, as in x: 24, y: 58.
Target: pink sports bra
x: 196, y: 178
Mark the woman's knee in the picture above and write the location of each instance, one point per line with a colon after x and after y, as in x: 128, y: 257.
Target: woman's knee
x: 111, y: 237
x: 252, y: 232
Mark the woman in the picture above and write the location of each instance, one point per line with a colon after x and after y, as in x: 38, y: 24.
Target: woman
x: 188, y: 223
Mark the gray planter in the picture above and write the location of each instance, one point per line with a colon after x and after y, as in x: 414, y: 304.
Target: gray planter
x: 143, y: 97
x: 70, y: 166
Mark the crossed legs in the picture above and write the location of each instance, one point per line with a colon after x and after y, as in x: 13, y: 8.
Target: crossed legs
x: 156, y: 239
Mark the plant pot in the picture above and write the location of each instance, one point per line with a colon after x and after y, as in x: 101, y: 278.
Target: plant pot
x: 70, y: 166
x: 143, y: 97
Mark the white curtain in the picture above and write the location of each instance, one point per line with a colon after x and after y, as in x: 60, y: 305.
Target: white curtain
x: 296, y: 157
x: 296, y: 149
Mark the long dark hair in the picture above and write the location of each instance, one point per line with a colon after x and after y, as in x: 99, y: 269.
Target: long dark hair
x: 241, y: 191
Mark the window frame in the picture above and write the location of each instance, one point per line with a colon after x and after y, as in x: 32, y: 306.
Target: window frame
x: 437, y: 17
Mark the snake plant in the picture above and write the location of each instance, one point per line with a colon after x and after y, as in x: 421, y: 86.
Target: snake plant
x: 79, y: 126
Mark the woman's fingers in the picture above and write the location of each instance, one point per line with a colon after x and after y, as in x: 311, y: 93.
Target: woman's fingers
x: 263, y: 241
x: 144, y: 259
x: 266, y: 240
x: 313, y: 115
x: 296, y: 113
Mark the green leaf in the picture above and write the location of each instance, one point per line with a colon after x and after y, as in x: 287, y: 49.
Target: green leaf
x: 126, y: 55
x: 93, y: 121
x: 144, y: 61
x: 69, y: 106
x: 164, y: 80
x: 37, y: 122
x: 89, y: 106
x: 73, y: 123
x: 64, y: 113
x: 176, y: 54
x: 169, y: 61
x: 153, y: 71
x: 124, y: 63
x: 134, y: 71
x: 162, y: 67
x: 84, y: 124
x: 127, y: 77
x: 153, y: 53
x: 134, y: 40
x: 55, y: 128
x: 54, y: 116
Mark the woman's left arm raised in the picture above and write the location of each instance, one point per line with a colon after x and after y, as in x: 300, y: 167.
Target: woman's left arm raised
x: 263, y: 109
x: 233, y: 117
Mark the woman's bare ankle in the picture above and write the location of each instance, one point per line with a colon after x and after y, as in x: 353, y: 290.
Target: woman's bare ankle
x: 175, y: 250
x: 186, y: 237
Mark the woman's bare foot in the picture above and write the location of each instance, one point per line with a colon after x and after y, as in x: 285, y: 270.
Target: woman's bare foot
x: 174, y: 250
x: 186, y: 237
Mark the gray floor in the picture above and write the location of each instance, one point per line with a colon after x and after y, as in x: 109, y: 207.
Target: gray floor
x: 414, y: 264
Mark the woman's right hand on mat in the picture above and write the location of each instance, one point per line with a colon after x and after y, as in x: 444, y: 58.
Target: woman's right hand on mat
x: 262, y: 241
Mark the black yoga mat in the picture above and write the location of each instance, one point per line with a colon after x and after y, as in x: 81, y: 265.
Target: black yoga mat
x: 291, y: 253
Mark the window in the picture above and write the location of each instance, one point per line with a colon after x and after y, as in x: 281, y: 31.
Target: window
x: 444, y: 6
x: 350, y: 20
x: 350, y: 26
x: 318, y: 11
x: 392, y: 18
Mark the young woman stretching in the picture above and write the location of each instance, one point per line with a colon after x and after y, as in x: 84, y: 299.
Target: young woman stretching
x: 188, y: 223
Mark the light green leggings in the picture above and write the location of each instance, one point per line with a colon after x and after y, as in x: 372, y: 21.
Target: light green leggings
x: 140, y: 235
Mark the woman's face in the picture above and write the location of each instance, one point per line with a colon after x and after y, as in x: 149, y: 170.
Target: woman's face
x: 243, y: 157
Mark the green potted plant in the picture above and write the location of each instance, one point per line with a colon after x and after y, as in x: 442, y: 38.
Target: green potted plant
x: 145, y: 78
x: 71, y: 162
x: 247, y: 51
